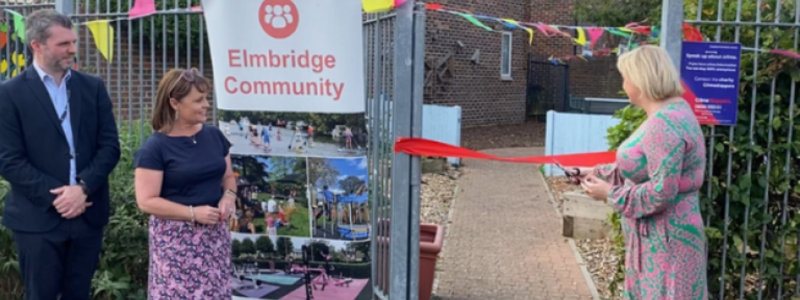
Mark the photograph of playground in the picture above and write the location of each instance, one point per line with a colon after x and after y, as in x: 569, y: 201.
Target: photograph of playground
x: 294, y: 134
x: 272, y: 196
x: 339, y: 198
x: 267, y: 267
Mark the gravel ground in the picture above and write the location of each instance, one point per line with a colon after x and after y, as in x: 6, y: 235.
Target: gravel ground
x: 529, y: 134
x: 437, y: 196
x: 438, y: 193
x: 600, y: 258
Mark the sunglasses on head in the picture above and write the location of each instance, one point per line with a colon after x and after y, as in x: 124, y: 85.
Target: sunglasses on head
x: 189, y: 75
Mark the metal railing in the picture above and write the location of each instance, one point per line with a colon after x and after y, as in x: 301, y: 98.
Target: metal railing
x: 751, y: 198
x: 146, y: 48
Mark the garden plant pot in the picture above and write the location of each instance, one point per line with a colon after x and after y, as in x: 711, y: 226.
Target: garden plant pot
x: 431, y: 238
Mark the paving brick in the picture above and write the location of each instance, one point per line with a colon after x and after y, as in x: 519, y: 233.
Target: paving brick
x: 504, y: 241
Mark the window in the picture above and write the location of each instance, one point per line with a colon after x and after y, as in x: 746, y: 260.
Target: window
x: 505, y: 56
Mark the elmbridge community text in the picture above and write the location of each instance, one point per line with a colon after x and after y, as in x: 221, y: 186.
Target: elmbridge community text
x: 273, y: 64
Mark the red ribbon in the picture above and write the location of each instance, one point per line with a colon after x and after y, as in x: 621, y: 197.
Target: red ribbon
x: 424, y: 147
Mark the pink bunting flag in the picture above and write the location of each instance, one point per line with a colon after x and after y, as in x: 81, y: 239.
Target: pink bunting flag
x: 142, y: 8
x: 594, y: 34
x: 786, y: 53
x: 397, y: 3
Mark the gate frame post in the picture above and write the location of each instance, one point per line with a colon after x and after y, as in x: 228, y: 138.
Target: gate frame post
x: 409, y: 56
x: 671, y: 35
x: 65, y: 7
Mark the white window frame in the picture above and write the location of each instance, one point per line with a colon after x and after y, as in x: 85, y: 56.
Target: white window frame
x: 506, y: 75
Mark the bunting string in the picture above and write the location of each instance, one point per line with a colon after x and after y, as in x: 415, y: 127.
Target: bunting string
x: 636, y: 33
x: 103, y: 32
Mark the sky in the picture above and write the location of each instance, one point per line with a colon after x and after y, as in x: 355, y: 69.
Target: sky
x: 270, y: 162
x: 355, y: 166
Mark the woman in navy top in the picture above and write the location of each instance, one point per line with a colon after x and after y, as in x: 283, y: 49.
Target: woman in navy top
x: 185, y: 182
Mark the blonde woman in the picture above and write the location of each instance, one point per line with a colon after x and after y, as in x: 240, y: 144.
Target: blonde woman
x: 655, y: 184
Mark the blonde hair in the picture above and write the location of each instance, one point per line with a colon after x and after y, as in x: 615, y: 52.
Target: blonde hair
x: 650, y: 69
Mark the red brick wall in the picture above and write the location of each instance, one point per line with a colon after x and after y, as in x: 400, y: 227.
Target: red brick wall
x: 484, y: 98
x: 595, y: 78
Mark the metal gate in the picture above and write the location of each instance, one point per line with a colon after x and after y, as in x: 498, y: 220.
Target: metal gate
x: 547, y: 88
x: 146, y: 48
x: 394, y: 54
x: 751, y: 200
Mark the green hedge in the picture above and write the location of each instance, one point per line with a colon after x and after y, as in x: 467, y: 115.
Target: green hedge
x: 762, y: 215
x: 122, y: 272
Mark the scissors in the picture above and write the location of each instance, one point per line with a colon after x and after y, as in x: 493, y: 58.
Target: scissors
x: 577, y: 172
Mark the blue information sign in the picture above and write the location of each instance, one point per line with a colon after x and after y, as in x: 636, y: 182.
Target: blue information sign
x: 710, y: 78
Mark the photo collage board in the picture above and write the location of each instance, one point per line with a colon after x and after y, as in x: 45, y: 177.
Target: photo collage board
x: 290, y: 99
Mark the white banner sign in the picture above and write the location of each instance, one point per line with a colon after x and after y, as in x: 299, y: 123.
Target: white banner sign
x: 287, y: 55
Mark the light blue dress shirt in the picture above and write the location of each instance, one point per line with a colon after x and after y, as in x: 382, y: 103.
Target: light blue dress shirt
x: 60, y: 97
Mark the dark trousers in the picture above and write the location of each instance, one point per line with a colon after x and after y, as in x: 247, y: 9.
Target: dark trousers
x: 61, y: 261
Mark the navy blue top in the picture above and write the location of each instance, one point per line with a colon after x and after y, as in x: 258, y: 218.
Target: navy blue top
x: 192, y: 171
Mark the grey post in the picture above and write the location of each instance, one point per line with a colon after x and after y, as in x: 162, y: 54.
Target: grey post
x: 407, y: 121
x: 64, y: 6
x: 672, y: 29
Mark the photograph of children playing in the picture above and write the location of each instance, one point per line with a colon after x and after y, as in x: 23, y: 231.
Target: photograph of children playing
x: 267, y: 267
x: 272, y: 196
x: 294, y: 134
x: 339, y: 198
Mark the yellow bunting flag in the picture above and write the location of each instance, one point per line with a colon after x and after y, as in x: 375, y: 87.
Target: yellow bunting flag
x: 530, y: 31
x: 371, y: 6
x: 581, y: 40
x: 103, y: 35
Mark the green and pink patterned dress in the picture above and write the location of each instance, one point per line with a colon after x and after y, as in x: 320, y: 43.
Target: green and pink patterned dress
x: 655, y: 186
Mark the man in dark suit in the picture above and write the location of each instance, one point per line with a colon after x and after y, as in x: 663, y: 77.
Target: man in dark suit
x: 58, y: 145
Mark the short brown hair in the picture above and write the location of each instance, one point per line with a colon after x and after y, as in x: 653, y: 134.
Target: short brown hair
x: 38, y: 24
x: 177, y: 83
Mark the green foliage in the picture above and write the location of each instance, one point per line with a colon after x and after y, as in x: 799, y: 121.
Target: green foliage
x: 166, y: 31
x: 323, y: 123
x: 617, y: 12
x: 754, y: 200
x: 122, y: 270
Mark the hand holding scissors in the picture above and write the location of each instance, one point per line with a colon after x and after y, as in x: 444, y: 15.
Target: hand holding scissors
x: 574, y: 174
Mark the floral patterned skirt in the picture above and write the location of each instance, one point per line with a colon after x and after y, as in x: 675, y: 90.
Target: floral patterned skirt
x: 189, y: 261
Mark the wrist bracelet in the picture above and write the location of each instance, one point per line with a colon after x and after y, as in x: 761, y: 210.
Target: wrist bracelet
x: 230, y: 193
x: 191, y: 212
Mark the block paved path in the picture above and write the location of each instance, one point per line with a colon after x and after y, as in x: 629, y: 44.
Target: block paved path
x: 505, y: 240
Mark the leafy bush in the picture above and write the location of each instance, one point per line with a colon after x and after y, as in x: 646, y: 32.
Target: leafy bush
x: 9, y: 267
x: 122, y: 271
x: 754, y: 209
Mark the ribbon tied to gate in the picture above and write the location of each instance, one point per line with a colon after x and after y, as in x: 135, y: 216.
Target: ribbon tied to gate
x: 425, y: 147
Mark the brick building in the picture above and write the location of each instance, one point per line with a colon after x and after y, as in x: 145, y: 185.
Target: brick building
x: 488, y: 92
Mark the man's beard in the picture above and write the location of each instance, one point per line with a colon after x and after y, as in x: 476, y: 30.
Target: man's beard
x: 56, y: 65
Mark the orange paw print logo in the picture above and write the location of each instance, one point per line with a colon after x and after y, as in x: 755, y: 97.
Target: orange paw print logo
x: 278, y: 18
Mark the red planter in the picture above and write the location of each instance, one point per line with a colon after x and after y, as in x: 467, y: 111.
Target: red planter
x: 431, y: 238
